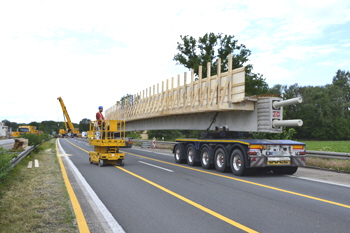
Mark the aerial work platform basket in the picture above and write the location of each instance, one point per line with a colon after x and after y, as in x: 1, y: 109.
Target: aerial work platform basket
x: 107, y: 136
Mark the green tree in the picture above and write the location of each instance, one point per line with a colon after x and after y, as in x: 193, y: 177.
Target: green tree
x: 10, y: 124
x: 168, y: 135
x: 342, y: 80
x: 194, y: 53
x: 34, y: 123
x: 128, y: 99
x: 84, y: 125
x: 322, y: 112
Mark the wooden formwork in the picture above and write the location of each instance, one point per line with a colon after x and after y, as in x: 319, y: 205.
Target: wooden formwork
x: 221, y: 92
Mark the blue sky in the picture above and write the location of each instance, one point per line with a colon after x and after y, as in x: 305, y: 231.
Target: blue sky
x: 92, y: 53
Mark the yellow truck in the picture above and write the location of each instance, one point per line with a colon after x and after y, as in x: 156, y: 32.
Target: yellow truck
x: 26, y: 129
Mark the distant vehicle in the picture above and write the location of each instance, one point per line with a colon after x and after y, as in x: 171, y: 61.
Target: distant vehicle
x: 26, y: 129
x: 128, y: 143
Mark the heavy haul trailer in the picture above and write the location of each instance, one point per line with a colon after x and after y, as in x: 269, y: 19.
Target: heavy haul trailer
x: 107, y: 136
x: 226, y: 149
x: 242, y: 155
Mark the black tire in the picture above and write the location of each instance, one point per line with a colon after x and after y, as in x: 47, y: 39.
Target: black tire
x: 178, y: 153
x: 191, y: 154
x: 237, y: 163
x: 221, y: 159
x: 90, y: 160
x: 101, y: 163
x: 284, y: 170
x: 205, y: 157
x: 120, y: 162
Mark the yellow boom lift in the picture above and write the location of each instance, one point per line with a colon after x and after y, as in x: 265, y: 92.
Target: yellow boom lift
x: 108, y: 136
x: 74, y: 131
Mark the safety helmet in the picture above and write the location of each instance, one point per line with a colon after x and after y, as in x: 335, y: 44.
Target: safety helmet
x: 100, y: 107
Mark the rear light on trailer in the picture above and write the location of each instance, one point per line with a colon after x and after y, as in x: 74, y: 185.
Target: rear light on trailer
x: 298, y: 147
x: 252, y: 152
x: 256, y: 147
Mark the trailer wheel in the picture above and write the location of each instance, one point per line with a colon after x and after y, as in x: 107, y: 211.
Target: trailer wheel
x: 178, y: 151
x: 284, y: 170
x: 237, y: 163
x: 191, y: 155
x: 205, y: 157
x: 101, y: 162
x: 90, y: 160
x: 221, y: 159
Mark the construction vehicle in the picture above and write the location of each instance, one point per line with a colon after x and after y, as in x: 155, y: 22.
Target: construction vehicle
x: 128, y: 143
x: 70, y: 131
x: 107, y: 136
x: 224, y: 149
x: 26, y: 129
x: 62, y: 133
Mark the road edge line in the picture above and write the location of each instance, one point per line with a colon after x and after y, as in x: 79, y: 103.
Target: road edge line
x: 81, y: 221
x: 113, y: 224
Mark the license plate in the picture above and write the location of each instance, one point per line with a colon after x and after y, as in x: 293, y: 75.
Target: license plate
x: 280, y: 162
x: 276, y: 153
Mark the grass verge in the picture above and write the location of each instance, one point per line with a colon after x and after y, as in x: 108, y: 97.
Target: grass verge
x: 332, y: 146
x: 338, y: 165
x: 36, y: 199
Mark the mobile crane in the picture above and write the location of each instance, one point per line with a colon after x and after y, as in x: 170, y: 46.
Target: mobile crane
x: 107, y: 136
x: 71, y: 131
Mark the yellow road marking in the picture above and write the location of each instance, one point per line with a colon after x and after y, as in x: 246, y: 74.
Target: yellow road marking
x: 209, y: 211
x: 213, y: 213
x: 248, y: 182
x: 244, y: 181
x: 82, y: 225
x: 77, y: 146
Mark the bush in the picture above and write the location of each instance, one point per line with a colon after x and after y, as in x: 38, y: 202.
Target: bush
x: 34, y: 139
x: 5, y: 164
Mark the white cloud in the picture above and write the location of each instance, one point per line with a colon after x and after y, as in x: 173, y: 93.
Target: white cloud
x: 93, y: 53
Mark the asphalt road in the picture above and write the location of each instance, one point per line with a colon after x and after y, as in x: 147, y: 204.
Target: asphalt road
x: 152, y: 193
x: 7, y: 143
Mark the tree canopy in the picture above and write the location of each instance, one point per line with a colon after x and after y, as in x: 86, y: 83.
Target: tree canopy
x: 325, y: 110
x: 84, y: 125
x: 198, y: 52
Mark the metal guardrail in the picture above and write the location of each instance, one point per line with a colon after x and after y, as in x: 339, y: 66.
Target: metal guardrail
x: 328, y: 155
x: 146, y: 144
x: 309, y: 153
x: 21, y: 156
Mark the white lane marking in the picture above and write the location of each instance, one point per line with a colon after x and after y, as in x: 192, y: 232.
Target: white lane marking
x: 113, y: 224
x: 321, y: 181
x: 156, y: 166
